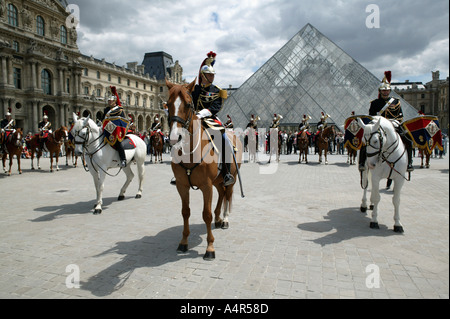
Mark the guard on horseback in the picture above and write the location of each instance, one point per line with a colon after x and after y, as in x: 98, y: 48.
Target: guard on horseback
x: 156, y: 126
x: 45, y: 128
x: 253, y: 123
x: 208, y: 101
x: 229, y: 124
x: 115, y: 125
x: 391, y: 109
x: 304, y: 125
x: 276, y: 121
x: 7, y: 126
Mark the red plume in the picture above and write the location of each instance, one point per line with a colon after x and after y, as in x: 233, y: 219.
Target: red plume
x: 388, y: 75
x: 114, y: 91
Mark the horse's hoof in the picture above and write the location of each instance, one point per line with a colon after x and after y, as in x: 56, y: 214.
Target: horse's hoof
x: 209, y: 256
x: 138, y: 196
x: 371, y: 207
x: 218, y: 224
x: 182, y: 249
x: 121, y: 198
x: 399, y: 229
x: 374, y: 226
x: 363, y: 209
x: 225, y: 225
x: 97, y: 212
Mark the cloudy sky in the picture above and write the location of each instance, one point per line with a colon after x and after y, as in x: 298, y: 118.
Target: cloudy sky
x: 412, y: 38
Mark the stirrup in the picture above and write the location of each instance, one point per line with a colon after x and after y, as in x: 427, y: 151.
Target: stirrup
x: 410, y: 168
x: 123, y: 163
x: 362, y: 168
x: 228, y: 180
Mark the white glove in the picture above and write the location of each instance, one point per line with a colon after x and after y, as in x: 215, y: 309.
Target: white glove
x: 204, y: 113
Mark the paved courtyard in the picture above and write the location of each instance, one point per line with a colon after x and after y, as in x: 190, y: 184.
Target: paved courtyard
x: 298, y: 233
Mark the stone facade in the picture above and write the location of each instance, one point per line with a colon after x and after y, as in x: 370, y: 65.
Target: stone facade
x: 42, y: 71
x: 431, y: 98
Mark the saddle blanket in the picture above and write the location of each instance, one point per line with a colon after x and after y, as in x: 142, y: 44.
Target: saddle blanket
x: 425, y: 132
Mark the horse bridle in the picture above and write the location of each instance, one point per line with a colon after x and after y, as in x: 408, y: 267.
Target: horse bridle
x: 382, y: 154
x: 185, y: 123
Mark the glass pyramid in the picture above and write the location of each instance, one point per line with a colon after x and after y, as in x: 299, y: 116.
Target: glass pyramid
x: 308, y: 76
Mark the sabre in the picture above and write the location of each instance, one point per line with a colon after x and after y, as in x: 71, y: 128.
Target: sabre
x: 237, y: 167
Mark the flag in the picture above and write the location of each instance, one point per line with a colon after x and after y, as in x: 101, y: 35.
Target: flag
x: 354, y: 133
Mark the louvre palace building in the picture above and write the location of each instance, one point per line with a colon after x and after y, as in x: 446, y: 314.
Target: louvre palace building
x: 42, y: 71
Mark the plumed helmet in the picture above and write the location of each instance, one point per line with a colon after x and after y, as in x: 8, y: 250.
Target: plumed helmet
x: 8, y: 114
x: 207, y: 66
x: 386, y: 83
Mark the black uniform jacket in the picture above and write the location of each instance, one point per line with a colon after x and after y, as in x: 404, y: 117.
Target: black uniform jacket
x: 394, y: 112
x: 207, y: 98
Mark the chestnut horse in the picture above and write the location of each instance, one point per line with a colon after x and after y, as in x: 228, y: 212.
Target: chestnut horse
x: 352, y: 153
x: 157, y: 146
x: 69, y: 149
x: 195, y: 163
x: 52, y: 145
x: 425, y: 153
x: 13, y: 145
x: 303, y: 146
x: 322, y: 140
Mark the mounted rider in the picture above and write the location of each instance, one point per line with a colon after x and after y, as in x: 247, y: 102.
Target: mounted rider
x: 276, y: 121
x: 157, y: 126
x: 253, y: 122
x: 304, y: 125
x: 208, y: 100
x: 8, y: 127
x: 391, y: 109
x: 115, y: 125
x: 45, y: 128
x: 229, y: 124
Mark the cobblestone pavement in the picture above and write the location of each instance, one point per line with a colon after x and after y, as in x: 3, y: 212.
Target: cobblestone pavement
x: 297, y: 234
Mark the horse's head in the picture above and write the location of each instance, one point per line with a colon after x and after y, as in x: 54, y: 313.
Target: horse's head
x: 17, y: 137
x: 181, y: 110
x: 84, y: 131
x: 62, y: 134
x: 374, y: 139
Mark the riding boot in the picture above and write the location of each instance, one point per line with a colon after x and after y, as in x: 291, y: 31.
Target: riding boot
x: 410, y: 158
x: 123, y: 158
x: 228, y: 179
x: 362, y: 159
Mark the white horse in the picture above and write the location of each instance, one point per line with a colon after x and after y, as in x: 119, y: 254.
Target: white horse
x: 100, y: 157
x: 386, y: 158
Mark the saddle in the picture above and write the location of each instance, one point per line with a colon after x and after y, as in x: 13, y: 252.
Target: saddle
x: 127, y: 144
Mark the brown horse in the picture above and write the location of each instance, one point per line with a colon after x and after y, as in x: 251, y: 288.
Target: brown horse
x: 69, y: 149
x: 303, y: 146
x: 195, y: 164
x: 352, y: 153
x: 157, y: 146
x: 322, y: 140
x: 424, y: 153
x: 13, y: 145
x: 52, y: 145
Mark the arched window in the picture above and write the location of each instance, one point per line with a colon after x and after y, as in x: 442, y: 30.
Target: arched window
x: 12, y: 16
x: 40, y: 26
x: 63, y: 32
x: 46, y: 80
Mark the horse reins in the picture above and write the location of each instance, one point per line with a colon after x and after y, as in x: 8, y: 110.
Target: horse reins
x: 186, y: 123
x: 91, y: 155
